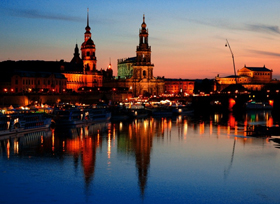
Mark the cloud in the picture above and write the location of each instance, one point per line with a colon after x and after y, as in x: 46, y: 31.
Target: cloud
x: 273, y: 54
x: 30, y: 13
x: 261, y: 28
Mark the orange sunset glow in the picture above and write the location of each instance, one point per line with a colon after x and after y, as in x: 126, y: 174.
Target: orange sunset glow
x: 187, y: 38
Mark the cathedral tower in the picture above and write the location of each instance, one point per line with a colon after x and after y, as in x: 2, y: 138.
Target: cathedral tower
x: 88, y: 50
x: 143, y: 69
x: 136, y: 73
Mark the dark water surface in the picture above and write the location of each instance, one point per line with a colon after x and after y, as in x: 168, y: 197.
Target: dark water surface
x: 166, y: 160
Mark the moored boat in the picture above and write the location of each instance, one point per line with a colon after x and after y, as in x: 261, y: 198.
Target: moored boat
x: 258, y: 105
x: 68, y: 117
x: 97, y: 115
x: 72, y: 115
x: 18, y: 122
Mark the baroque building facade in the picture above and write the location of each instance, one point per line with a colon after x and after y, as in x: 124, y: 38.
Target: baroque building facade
x: 251, y: 78
x: 83, y: 73
x: 136, y: 73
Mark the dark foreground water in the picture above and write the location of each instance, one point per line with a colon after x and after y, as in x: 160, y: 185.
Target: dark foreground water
x: 172, y: 160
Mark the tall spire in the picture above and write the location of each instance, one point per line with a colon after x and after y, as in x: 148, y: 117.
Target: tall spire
x: 87, y: 17
x: 87, y: 28
x: 88, y: 49
x: 143, y: 18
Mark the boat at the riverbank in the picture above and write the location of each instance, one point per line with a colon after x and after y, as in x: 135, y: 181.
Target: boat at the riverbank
x: 19, y: 122
x: 72, y: 115
x: 258, y: 105
x: 97, y: 115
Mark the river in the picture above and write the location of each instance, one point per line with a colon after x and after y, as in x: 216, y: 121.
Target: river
x: 194, y: 159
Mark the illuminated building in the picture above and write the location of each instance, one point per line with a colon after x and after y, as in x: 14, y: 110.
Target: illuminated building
x: 32, y: 77
x: 83, y: 73
x: 251, y: 78
x: 136, y: 73
x: 179, y: 86
x: 125, y: 67
x: 38, y: 82
x: 88, y: 50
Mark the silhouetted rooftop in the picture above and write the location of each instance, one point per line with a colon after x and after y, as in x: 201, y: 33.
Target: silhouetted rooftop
x: 38, y: 74
x: 41, y: 66
x: 234, y: 87
x: 127, y: 60
x: 258, y: 68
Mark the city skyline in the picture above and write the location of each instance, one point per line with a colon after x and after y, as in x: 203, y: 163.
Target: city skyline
x: 187, y: 38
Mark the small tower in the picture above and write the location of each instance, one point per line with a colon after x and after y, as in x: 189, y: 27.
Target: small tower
x: 88, y: 50
x: 110, y: 70
x: 76, y: 59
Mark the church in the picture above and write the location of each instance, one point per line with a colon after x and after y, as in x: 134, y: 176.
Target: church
x: 83, y: 74
x: 136, y: 73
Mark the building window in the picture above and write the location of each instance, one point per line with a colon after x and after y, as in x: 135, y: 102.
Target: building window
x: 88, y: 53
x: 23, y: 81
x: 144, y: 74
x: 16, y: 82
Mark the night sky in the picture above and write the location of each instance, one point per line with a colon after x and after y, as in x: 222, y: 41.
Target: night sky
x: 187, y: 36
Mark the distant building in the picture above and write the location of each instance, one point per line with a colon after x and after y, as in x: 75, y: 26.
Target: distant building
x: 251, y: 78
x: 136, y: 73
x: 35, y: 82
x: 179, y: 86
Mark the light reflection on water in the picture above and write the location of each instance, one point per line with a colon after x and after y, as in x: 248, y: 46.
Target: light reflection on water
x: 203, y: 159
